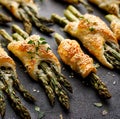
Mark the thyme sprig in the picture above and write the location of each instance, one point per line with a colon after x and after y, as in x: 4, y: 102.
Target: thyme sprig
x: 37, y: 44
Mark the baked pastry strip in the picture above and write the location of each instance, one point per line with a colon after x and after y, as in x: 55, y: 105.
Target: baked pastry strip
x: 40, y: 62
x: 71, y: 54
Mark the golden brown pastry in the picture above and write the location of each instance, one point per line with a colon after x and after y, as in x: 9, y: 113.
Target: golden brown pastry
x: 93, y: 33
x: 111, y: 6
x: 72, y: 55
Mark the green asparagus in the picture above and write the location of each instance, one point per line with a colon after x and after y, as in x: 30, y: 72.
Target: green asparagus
x: 47, y: 73
x: 92, y: 78
x: 4, y: 18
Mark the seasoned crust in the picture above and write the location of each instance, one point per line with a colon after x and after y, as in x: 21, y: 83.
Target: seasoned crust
x: 72, y: 55
x: 31, y: 57
x: 93, y: 33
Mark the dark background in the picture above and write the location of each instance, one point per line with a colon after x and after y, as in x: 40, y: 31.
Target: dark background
x: 83, y: 98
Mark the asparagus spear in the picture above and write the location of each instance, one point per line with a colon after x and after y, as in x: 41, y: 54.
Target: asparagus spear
x: 63, y: 98
x: 23, y: 91
x: 26, y: 22
x: 5, y: 74
x: 36, y: 21
x: 113, y: 48
x: 2, y: 102
x: 92, y: 78
x: 4, y: 18
x: 83, y: 2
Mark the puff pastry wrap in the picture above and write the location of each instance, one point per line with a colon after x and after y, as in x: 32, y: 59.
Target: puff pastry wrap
x: 111, y: 6
x: 72, y: 55
x: 13, y: 6
x: 22, y: 49
x: 7, y: 61
x: 93, y: 33
x: 115, y: 26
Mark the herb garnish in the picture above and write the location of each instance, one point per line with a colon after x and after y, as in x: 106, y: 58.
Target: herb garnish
x: 41, y: 41
x: 91, y: 28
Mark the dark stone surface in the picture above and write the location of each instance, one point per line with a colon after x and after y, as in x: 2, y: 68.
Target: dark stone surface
x: 83, y: 98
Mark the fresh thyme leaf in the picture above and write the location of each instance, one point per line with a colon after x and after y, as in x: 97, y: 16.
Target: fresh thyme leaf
x: 29, y: 52
x: 30, y: 42
x: 42, y: 39
x: 48, y: 48
x: 43, y: 42
x: 91, y: 29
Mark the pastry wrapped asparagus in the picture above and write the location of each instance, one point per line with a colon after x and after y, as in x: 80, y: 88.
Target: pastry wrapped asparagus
x: 4, y: 18
x: 110, y: 6
x: 83, y: 2
x: 40, y: 62
x: 27, y: 12
x: 72, y: 55
x: 93, y: 33
x: 114, y: 24
x: 9, y: 81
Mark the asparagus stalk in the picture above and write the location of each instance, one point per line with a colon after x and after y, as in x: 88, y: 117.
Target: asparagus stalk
x: 23, y: 91
x: 41, y: 19
x: 17, y: 29
x: 26, y: 22
x: 15, y: 101
x: 99, y: 86
x: 59, y: 20
x: 5, y: 35
x: 16, y: 104
x: 2, y: 103
x: 61, y: 78
x: 83, y: 2
x: 93, y: 79
x: 4, y: 18
x: 111, y: 17
x: 36, y: 21
x: 45, y: 82
x: 62, y: 95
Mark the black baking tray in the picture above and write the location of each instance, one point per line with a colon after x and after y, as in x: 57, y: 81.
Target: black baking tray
x: 83, y: 98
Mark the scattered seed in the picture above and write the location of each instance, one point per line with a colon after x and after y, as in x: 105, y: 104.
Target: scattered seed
x: 104, y: 112
x: 98, y: 104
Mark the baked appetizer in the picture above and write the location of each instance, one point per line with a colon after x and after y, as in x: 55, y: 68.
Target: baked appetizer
x: 9, y: 81
x: 72, y: 55
x: 110, y: 6
x: 83, y: 2
x: 114, y: 24
x: 93, y: 33
x: 4, y: 18
x: 40, y: 62
x: 27, y: 12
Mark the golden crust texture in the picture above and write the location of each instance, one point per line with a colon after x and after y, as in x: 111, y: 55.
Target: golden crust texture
x: 72, y: 55
x: 93, y: 33
x: 111, y: 6
x: 115, y: 26
x: 32, y: 54
x: 13, y: 6
x: 5, y: 60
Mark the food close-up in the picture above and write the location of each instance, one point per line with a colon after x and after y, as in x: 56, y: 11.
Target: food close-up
x: 59, y: 59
